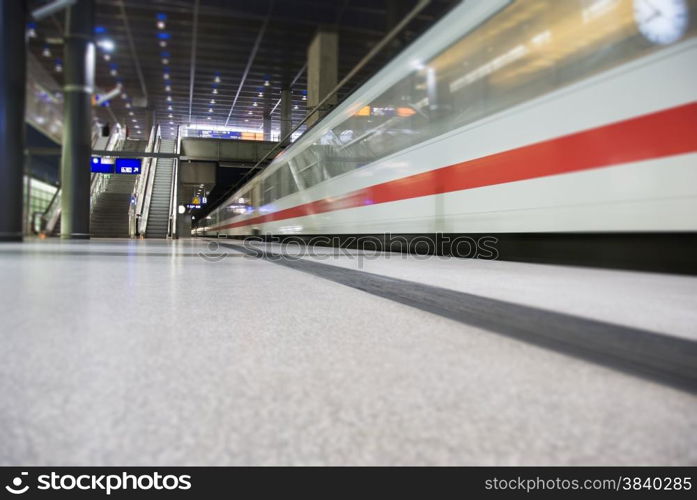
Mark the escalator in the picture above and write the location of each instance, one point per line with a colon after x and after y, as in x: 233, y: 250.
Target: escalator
x: 161, y: 198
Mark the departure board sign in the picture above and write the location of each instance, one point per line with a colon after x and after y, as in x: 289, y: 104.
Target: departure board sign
x: 129, y: 166
x: 98, y: 167
x: 217, y: 134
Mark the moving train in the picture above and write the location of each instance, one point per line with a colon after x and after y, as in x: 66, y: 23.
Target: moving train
x: 565, y: 130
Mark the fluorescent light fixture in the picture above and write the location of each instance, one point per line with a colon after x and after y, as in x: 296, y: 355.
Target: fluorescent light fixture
x: 106, y: 45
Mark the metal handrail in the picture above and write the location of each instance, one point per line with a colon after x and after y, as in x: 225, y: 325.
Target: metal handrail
x: 149, y: 182
x: 99, y: 182
x: 140, y: 188
x: 173, y: 206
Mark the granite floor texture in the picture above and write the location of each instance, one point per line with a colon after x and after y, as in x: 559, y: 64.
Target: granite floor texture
x: 125, y: 352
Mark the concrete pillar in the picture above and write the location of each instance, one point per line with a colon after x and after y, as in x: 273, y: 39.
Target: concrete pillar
x: 395, y: 11
x: 322, y: 71
x: 286, y: 114
x: 12, y: 89
x: 78, y: 87
x: 150, y: 120
x: 266, y: 114
x: 27, y: 195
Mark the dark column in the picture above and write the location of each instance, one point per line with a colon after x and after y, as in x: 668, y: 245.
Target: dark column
x: 286, y: 114
x: 77, y: 120
x: 12, y: 85
x: 266, y: 116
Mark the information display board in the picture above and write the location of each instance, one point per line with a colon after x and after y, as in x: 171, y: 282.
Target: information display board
x: 129, y: 166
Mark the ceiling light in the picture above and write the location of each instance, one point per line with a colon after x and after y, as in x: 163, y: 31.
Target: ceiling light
x: 210, y: 110
x: 160, y: 25
x: 163, y: 44
x: 130, y: 113
x: 124, y: 96
x: 128, y: 105
x: 215, y: 91
x: 212, y: 101
x: 304, y: 98
x: 106, y: 45
x: 166, y: 76
x: 138, y: 126
x: 46, y: 52
x: 113, y: 72
x: 171, y: 123
x: 254, y: 104
x: 217, y: 79
x: 165, y: 60
x: 169, y: 115
x: 168, y: 88
x: 295, y: 107
x: 134, y: 120
x: 246, y: 119
x: 169, y: 108
x: 261, y: 94
x: 249, y: 112
x: 267, y: 83
x: 169, y: 98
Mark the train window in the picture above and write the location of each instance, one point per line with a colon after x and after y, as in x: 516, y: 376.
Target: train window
x: 309, y: 167
x: 287, y: 183
x: 268, y: 190
x: 529, y: 48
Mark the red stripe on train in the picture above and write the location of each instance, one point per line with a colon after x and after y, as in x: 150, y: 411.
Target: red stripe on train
x: 664, y: 133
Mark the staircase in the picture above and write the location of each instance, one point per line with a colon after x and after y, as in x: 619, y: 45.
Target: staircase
x: 109, y: 215
x: 158, y: 216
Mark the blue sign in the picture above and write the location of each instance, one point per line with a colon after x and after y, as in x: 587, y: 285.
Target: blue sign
x: 101, y: 168
x: 216, y: 134
x: 127, y: 166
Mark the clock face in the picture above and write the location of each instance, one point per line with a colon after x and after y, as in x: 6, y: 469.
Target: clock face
x: 661, y: 21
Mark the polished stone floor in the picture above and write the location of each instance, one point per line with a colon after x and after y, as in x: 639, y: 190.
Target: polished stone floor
x: 121, y: 352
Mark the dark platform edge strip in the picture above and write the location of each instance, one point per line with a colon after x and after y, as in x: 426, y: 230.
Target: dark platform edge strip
x: 662, y: 358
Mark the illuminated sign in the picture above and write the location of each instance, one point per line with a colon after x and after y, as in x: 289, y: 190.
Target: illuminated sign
x: 229, y: 134
x: 129, y: 166
x: 98, y: 167
x: 386, y: 111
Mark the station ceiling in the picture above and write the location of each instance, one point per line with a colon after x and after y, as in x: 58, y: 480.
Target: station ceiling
x: 191, y: 68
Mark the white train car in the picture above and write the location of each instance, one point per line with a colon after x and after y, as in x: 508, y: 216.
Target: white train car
x: 564, y: 128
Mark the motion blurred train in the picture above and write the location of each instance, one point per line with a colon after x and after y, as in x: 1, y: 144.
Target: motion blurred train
x: 565, y: 129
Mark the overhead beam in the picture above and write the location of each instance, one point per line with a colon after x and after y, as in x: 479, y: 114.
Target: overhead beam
x: 192, y: 70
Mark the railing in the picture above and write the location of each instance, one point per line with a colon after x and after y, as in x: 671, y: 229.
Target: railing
x: 173, y: 206
x: 100, y: 181
x: 143, y: 212
x: 52, y: 213
x: 140, y: 189
x: 97, y: 187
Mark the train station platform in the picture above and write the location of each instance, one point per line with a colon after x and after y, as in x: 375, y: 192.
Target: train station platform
x: 205, y: 352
